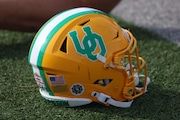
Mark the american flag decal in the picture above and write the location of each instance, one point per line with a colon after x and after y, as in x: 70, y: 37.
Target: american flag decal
x: 57, y: 80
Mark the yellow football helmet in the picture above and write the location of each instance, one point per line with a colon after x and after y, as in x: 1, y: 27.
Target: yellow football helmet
x: 82, y: 55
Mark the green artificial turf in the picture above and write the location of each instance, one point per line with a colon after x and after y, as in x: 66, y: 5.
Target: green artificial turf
x: 20, y: 99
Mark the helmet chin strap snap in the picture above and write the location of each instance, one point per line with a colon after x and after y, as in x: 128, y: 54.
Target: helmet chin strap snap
x: 106, y: 99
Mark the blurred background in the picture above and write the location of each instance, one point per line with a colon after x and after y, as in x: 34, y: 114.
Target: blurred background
x: 159, y: 16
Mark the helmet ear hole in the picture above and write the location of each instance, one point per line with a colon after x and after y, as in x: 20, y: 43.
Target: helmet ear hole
x: 103, y: 82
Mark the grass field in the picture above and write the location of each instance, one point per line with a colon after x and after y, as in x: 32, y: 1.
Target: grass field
x: 20, y: 99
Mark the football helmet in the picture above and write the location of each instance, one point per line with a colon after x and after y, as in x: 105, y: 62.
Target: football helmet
x: 82, y: 55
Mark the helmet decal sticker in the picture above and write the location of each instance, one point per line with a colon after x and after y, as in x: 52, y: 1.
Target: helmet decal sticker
x: 89, y: 43
x: 39, y: 80
x: 57, y: 80
x: 58, y: 83
x: 77, y: 89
